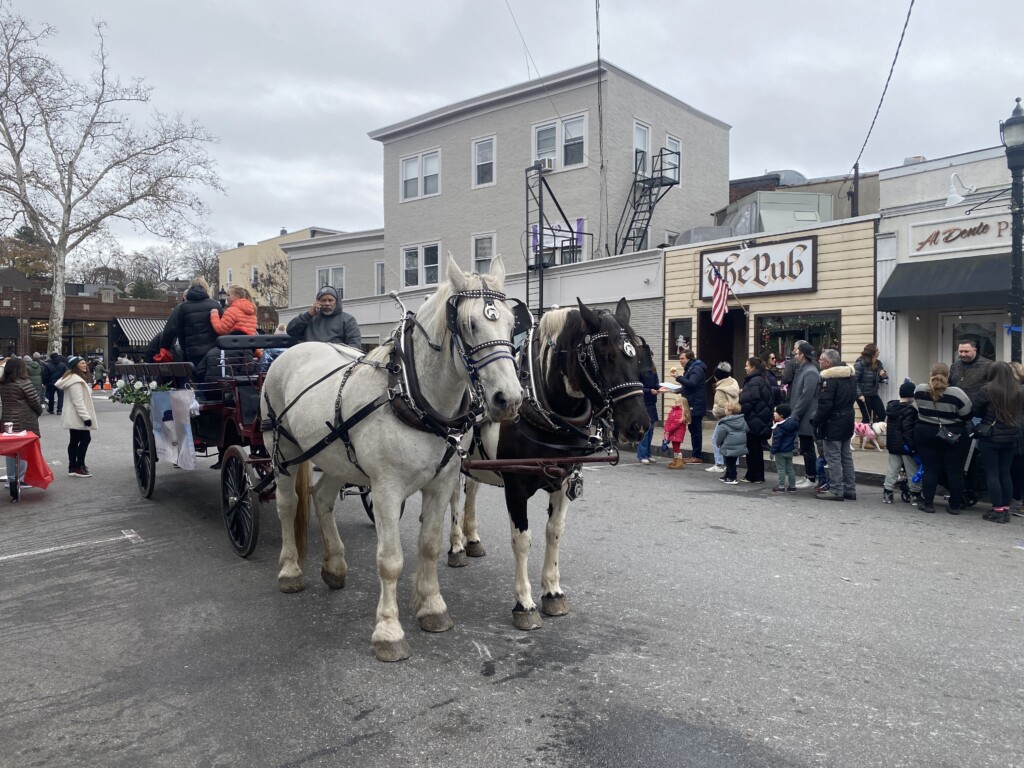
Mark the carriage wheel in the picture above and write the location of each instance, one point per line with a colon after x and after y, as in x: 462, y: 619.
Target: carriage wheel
x: 239, y: 504
x: 144, y: 453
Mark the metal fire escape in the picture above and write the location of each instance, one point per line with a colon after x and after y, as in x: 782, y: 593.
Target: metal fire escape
x: 550, y: 237
x: 644, y: 195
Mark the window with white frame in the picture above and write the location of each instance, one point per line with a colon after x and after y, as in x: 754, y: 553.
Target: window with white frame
x: 420, y: 264
x: 332, y: 276
x: 421, y: 175
x: 483, y: 162
x: 641, y: 148
x: 672, y: 162
x: 572, y: 142
x: 254, y: 276
x: 483, y: 252
x: 379, y: 283
x: 231, y: 275
x: 564, y: 141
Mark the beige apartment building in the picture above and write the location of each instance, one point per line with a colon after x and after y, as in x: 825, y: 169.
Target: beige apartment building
x: 243, y: 264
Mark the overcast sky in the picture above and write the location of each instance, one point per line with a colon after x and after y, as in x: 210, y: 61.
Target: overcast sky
x: 292, y: 89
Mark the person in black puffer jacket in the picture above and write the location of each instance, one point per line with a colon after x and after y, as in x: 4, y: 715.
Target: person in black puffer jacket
x: 652, y: 388
x: 758, y: 403
x: 189, y: 323
x: 833, y: 423
x: 999, y: 405
x: 900, y: 418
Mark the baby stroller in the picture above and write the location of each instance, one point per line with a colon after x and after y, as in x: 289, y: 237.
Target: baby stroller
x: 902, y: 483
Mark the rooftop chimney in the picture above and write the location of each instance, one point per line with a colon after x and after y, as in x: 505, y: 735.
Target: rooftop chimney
x: 914, y: 159
x: 240, y: 244
x: 284, y: 231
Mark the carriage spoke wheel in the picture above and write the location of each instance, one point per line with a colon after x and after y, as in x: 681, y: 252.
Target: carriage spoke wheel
x: 144, y: 453
x: 239, y: 504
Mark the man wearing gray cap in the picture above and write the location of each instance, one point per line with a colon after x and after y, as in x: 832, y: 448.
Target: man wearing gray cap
x: 324, y: 321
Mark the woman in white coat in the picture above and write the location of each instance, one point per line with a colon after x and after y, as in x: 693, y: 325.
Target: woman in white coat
x: 79, y: 415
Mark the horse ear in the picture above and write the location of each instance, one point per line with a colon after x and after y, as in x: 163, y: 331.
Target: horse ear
x: 588, y: 316
x: 455, y: 275
x: 622, y: 311
x: 498, y: 271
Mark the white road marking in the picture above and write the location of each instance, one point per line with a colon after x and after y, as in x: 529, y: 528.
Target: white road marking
x: 126, y: 535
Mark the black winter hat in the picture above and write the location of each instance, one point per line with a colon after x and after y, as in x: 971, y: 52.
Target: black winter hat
x: 907, y: 388
x: 806, y: 350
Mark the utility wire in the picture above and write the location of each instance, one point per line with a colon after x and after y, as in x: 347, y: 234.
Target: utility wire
x: 892, y: 67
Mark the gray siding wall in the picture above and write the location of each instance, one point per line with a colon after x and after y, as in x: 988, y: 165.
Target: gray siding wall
x: 459, y: 211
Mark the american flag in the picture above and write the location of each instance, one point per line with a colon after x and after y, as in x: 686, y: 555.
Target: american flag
x: 720, y: 297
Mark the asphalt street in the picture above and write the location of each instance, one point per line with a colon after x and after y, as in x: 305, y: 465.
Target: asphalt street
x: 710, y: 626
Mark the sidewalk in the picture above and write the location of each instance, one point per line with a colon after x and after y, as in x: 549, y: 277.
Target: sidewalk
x: 871, y: 465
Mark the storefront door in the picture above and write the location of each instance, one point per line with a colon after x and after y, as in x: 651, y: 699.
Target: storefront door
x: 986, y: 329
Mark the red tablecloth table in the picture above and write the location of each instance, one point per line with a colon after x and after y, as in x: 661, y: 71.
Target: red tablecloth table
x: 25, y: 446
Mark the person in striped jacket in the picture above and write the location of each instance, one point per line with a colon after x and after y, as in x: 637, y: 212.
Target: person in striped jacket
x: 941, y: 407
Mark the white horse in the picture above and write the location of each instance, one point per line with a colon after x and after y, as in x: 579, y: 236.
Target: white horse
x: 457, y: 342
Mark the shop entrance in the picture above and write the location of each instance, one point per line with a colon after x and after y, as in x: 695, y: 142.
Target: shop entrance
x: 726, y: 342
x: 987, y: 330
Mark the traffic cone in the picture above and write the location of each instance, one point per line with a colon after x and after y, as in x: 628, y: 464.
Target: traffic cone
x: 96, y: 385
x: 106, y: 384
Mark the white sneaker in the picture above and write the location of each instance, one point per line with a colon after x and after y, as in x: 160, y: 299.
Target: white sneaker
x: 645, y: 461
x: 805, y: 483
x: 715, y: 468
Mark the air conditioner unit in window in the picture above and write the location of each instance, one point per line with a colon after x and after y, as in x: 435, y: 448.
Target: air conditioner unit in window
x: 547, y: 164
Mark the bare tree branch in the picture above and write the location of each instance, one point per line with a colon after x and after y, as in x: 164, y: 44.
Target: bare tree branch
x: 72, y: 159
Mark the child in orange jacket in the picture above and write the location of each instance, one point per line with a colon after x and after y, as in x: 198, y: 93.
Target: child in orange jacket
x: 240, y: 315
x: 675, y: 430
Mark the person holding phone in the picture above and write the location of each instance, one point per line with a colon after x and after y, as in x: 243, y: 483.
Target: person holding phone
x: 325, y: 321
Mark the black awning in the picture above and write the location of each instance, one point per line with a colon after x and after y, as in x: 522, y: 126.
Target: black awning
x: 971, y: 281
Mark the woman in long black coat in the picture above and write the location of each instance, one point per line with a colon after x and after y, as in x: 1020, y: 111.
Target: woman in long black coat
x: 758, y: 403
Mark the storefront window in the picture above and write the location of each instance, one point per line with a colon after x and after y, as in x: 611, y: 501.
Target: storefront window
x: 778, y: 333
x: 680, y: 336
x: 87, y: 338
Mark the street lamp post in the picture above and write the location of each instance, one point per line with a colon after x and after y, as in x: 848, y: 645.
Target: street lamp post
x: 1011, y: 133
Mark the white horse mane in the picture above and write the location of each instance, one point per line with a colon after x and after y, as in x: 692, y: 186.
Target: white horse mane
x: 552, y: 323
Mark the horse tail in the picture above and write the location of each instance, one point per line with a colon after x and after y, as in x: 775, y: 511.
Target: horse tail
x: 302, y: 482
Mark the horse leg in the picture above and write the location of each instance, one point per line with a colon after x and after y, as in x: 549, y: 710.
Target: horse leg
x: 289, y: 578
x: 473, y: 546
x: 553, y: 601
x: 389, y: 643
x: 524, y: 614
x: 456, y: 541
x: 431, y: 611
x: 334, y: 567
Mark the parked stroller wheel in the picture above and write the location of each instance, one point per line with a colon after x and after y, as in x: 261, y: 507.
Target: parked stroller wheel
x: 970, y: 498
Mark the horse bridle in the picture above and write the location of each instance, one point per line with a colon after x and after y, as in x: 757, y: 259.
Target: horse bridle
x: 498, y: 349
x: 588, y: 362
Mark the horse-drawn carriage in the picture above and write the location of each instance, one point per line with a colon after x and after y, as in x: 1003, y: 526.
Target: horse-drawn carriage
x: 447, y: 393
x: 224, y: 418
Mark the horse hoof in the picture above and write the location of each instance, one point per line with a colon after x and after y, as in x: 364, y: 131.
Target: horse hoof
x: 332, y: 580
x: 475, y: 549
x: 436, y: 622
x: 393, y: 650
x: 457, y: 559
x: 554, y: 605
x: 290, y: 584
x: 527, y: 620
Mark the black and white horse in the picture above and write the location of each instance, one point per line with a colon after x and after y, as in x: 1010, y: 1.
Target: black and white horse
x: 581, y: 390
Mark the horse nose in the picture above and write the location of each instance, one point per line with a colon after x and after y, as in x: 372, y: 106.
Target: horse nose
x: 504, y: 402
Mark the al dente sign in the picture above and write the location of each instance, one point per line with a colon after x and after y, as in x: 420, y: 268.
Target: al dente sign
x: 966, y: 233
x: 763, y: 269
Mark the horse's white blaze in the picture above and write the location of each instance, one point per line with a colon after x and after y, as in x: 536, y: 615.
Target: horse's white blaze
x: 396, y: 460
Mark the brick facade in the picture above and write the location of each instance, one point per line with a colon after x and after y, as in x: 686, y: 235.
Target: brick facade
x: 26, y: 307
